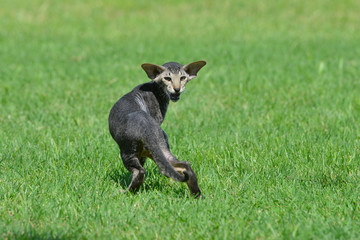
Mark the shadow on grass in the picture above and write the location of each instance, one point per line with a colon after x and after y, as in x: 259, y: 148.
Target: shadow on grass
x: 121, y: 177
x: 32, y: 234
x: 154, y: 181
x: 325, y: 180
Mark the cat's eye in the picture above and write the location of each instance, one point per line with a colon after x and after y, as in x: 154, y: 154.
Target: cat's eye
x: 182, y: 78
x: 167, y: 78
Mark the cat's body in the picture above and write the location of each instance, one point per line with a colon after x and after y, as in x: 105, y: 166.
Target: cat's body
x: 135, y: 124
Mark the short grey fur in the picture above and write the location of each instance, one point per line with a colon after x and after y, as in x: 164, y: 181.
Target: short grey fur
x: 135, y: 124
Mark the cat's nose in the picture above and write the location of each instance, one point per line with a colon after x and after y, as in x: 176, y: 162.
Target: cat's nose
x: 177, y: 90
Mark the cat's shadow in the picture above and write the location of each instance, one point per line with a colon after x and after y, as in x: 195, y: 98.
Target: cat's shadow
x: 154, y: 181
x: 120, y: 176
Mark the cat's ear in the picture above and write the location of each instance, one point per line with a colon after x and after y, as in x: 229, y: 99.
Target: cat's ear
x: 193, y: 68
x: 153, y: 70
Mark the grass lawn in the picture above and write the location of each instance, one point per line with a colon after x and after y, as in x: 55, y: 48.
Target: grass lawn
x: 270, y: 126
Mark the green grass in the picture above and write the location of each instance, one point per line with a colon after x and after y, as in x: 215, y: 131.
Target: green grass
x: 270, y: 126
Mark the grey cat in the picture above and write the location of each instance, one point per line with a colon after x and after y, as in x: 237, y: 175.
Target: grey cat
x: 135, y: 120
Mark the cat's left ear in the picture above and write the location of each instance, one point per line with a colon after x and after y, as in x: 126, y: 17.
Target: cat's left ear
x: 192, y: 68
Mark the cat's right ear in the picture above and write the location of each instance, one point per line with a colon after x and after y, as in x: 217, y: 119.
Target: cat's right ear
x: 153, y: 70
